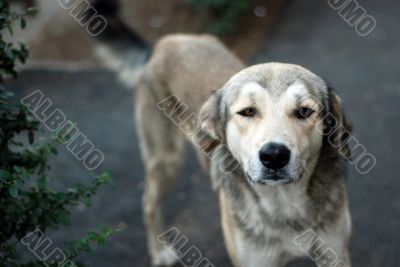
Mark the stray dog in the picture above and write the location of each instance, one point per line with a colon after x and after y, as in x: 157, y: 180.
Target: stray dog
x: 272, y: 119
x: 284, y: 129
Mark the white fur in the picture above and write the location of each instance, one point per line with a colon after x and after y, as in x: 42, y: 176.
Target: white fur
x: 128, y: 68
x: 166, y: 257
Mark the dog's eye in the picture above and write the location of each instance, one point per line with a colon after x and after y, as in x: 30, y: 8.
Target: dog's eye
x: 303, y: 113
x: 248, y: 112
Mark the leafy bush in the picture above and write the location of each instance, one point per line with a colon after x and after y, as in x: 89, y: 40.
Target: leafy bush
x: 27, y: 203
x: 220, y: 16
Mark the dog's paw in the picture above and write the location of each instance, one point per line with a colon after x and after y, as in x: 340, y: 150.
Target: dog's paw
x: 165, y: 257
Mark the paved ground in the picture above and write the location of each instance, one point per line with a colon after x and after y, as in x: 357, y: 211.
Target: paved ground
x: 363, y: 69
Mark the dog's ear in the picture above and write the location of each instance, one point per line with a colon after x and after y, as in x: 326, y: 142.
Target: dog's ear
x: 338, y: 125
x: 210, y: 118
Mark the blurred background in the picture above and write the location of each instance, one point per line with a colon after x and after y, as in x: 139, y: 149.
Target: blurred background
x: 363, y: 69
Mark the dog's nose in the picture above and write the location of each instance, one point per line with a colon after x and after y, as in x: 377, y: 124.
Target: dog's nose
x: 274, y: 155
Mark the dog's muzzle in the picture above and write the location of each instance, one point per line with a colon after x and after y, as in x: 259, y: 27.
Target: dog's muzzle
x: 274, y: 157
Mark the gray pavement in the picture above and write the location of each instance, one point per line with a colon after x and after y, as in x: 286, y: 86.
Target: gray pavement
x: 364, y: 71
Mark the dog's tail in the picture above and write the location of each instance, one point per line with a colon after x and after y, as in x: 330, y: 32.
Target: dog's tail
x: 120, y: 48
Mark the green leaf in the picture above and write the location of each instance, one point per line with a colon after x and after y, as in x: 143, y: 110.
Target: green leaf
x: 13, y: 190
x: 31, y: 137
x: 93, y: 235
x: 4, y: 174
x: 32, y: 11
x: 63, y: 217
x: 23, y: 23
x: 53, y: 150
x: 10, y: 29
x: 101, y: 242
x: 87, y: 200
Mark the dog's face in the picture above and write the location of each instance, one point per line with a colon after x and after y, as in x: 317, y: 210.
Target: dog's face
x: 274, y: 135
x: 270, y: 117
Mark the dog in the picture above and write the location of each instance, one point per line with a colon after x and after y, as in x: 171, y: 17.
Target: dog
x: 271, y: 118
x: 271, y: 136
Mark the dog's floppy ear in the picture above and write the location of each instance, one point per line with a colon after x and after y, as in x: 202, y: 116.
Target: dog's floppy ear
x: 338, y: 125
x: 210, y: 117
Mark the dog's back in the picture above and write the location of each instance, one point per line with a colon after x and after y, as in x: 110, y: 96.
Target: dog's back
x: 188, y: 68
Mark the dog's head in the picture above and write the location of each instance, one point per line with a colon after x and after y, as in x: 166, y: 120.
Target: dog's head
x: 274, y: 119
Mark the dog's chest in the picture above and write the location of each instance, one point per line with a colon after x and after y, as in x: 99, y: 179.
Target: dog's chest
x: 269, y: 224
x: 273, y: 215
x: 279, y: 209
x: 283, y: 204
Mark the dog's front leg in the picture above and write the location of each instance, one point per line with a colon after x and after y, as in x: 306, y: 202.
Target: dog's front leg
x: 261, y: 257
x: 244, y: 249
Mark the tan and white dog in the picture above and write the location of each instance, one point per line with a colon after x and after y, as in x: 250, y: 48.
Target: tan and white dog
x: 283, y: 129
x: 272, y: 119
